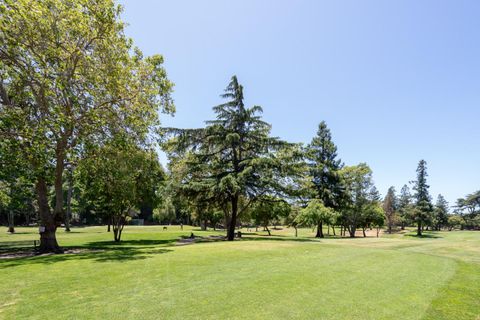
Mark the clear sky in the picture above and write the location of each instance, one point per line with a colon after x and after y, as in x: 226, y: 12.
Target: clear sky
x: 396, y: 81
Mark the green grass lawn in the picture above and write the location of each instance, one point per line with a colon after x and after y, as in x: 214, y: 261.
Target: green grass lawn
x: 149, y: 276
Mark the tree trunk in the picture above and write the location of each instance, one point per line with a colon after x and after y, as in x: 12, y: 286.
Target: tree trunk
x: 48, y: 241
x: 364, y: 234
x: 58, y: 184
x: 378, y: 231
x: 419, y: 228
x: 68, y: 214
x: 11, y: 221
x: 351, y: 231
x: 328, y: 231
x: 233, y: 219
x: 319, y: 230
x: 118, y: 222
x: 296, y: 232
x: 333, y: 229
x: 268, y: 230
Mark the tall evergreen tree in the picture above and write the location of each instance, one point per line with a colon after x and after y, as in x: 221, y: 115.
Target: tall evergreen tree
x: 441, y: 212
x: 390, y: 207
x: 404, y: 205
x: 321, y: 155
x: 423, y: 204
x: 233, y: 161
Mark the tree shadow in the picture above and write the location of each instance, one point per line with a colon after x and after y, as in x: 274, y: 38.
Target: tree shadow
x: 425, y: 235
x: 97, y: 255
x: 277, y: 238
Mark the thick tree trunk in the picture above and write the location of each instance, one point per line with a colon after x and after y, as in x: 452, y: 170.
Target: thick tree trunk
x: 233, y: 219
x: 333, y: 229
x: 296, y: 232
x: 48, y: 241
x: 319, y: 230
x: 58, y: 184
x: 364, y: 234
x: 419, y: 228
x: 11, y: 221
x: 68, y: 214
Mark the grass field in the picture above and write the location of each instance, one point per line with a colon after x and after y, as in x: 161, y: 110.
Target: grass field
x: 149, y: 276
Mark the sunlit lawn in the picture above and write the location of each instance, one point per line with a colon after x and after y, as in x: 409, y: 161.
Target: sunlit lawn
x: 149, y: 276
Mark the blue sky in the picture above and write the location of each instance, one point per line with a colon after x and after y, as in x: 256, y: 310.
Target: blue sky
x: 396, y: 81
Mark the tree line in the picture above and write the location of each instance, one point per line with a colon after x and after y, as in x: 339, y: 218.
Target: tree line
x: 80, y: 130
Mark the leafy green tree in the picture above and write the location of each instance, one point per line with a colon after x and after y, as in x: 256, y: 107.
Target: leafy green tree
x: 112, y: 175
x: 68, y: 77
x: 269, y: 209
x: 469, y: 209
x: 390, y: 208
x: 373, y: 216
x: 455, y: 221
x: 360, y: 195
x: 233, y: 161
x: 423, y: 206
x: 441, y: 213
x: 315, y: 215
x: 404, y: 206
x: 165, y: 213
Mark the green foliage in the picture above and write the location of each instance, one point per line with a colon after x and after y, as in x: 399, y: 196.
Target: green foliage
x: 440, y: 213
x: 390, y: 207
x: 233, y: 161
x: 360, y: 195
x: 116, y: 177
x: 469, y: 209
x: 165, y: 213
x: 422, y: 214
x: 269, y: 209
x: 321, y: 156
x: 69, y: 78
x: 315, y: 215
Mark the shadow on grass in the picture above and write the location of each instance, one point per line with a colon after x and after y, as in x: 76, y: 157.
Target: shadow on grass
x: 424, y: 236
x: 100, y: 251
x: 277, y: 238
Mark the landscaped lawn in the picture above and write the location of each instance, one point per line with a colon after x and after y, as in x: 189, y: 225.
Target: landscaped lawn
x: 149, y: 276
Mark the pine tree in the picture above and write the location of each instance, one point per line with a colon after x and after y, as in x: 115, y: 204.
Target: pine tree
x: 423, y: 204
x: 390, y: 207
x: 321, y: 155
x: 404, y: 205
x: 441, y: 212
x: 233, y: 161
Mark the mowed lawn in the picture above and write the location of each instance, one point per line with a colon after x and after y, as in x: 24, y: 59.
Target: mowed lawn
x: 150, y: 276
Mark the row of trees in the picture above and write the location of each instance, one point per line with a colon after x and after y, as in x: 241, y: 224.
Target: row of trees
x: 79, y: 127
x: 418, y: 208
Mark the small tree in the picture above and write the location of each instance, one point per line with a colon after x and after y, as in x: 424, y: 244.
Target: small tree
x: 390, y: 207
x: 404, y: 206
x: 315, y: 215
x: 113, y: 175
